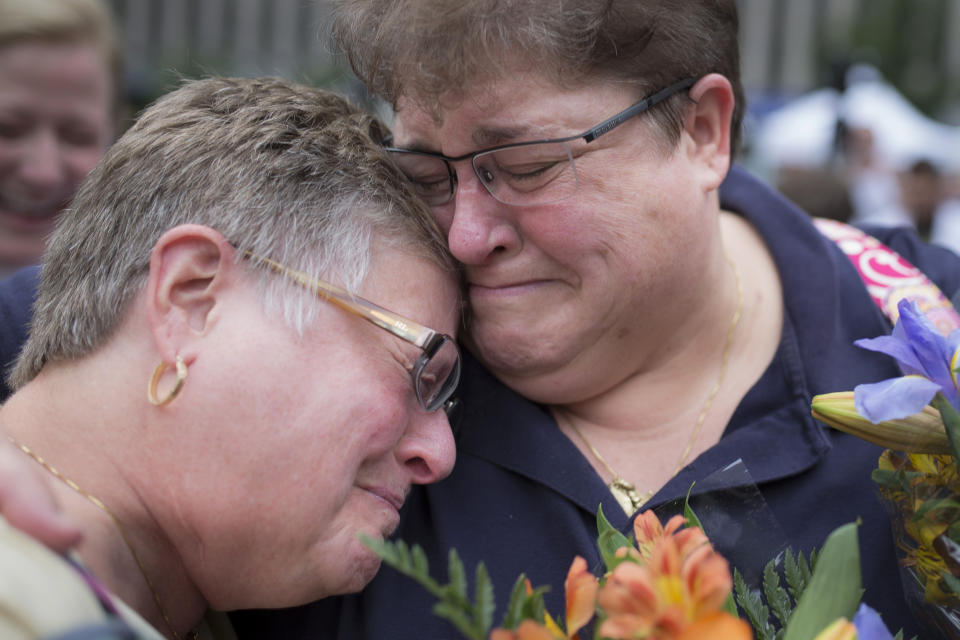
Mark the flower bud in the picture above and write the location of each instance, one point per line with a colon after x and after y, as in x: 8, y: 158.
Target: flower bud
x: 840, y: 629
x: 920, y: 433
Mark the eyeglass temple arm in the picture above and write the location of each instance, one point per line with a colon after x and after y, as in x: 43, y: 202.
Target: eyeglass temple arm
x: 636, y: 109
x: 408, y: 330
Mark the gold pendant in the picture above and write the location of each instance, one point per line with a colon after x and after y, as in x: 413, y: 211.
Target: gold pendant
x: 626, y: 494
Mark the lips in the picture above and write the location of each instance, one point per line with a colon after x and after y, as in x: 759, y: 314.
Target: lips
x: 394, y: 498
x: 504, y: 290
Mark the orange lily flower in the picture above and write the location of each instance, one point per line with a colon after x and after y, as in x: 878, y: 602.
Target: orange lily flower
x: 581, y: 590
x: 527, y: 630
x: 720, y: 625
x: 682, y: 581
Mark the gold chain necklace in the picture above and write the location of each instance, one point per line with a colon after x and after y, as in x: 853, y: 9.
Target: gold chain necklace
x: 192, y: 635
x: 623, y: 490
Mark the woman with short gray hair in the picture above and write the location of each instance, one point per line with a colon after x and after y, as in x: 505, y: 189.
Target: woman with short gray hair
x: 208, y: 386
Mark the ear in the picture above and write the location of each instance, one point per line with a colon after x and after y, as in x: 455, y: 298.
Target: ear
x: 191, y: 268
x: 707, y: 123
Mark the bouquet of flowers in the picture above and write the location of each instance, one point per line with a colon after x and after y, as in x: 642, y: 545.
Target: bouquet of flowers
x: 663, y: 583
x: 916, y: 417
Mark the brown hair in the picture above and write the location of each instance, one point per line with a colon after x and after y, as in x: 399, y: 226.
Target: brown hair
x: 428, y: 49
x: 285, y: 171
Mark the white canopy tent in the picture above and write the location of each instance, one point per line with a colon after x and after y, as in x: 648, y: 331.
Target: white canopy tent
x: 801, y: 133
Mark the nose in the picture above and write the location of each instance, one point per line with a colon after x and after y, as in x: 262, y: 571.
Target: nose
x: 42, y: 166
x: 427, y: 449
x: 481, y: 227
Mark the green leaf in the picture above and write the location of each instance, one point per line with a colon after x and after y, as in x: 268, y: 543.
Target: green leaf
x: 951, y: 422
x: 692, y: 519
x: 534, y: 607
x: 834, y: 590
x: 457, y: 576
x: 398, y: 555
x: 518, y: 596
x: 793, y: 574
x: 934, y: 504
x: 420, y: 564
x: 483, y: 609
x: 458, y: 618
x: 953, y: 584
x: 609, y: 540
x: 730, y: 606
x: 894, y: 479
x: 777, y: 597
x: 805, y: 568
x: 953, y: 532
x: 753, y: 607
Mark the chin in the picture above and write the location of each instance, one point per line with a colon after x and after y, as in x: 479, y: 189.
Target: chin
x: 357, y: 571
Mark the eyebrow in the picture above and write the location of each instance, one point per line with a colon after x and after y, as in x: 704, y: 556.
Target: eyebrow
x: 486, y: 137
x: 494, y: 136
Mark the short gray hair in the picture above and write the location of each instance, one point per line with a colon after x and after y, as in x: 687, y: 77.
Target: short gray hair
x: 285, y: 171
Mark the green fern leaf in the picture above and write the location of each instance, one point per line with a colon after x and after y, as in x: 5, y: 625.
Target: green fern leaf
x: 483, y: 609
x: 777, y: 598
x: 458, y: 618
x: 752, y: 605
x: 457, y: 576
x: 518, y: 596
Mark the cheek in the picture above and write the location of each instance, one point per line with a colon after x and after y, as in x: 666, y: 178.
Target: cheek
x: 80, y: 161
x: 11, y: 157
x: 382, y: 422
x: 444, y: 216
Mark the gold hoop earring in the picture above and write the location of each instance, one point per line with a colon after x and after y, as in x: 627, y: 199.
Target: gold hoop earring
x: 155, y: 378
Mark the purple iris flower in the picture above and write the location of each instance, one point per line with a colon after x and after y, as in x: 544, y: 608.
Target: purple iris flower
x: 869, y: 625
x: 926, y: 358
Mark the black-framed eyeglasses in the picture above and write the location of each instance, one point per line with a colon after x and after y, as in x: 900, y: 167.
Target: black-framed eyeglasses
x: 522, y: 173
x: 436, y: 372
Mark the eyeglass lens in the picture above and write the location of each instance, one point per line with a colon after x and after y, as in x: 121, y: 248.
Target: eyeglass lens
x: 524, y: 174
x: 430, y: 176
x: 528, y: 174
x: 437, y: 374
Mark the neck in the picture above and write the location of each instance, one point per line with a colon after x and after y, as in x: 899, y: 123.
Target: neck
x: 630, y: 418
x: 103, y: 484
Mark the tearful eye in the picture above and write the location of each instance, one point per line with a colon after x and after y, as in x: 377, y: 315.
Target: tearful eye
x: 529, y: 172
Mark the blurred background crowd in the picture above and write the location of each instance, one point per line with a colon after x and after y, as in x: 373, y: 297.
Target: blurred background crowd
x: 853, y: 105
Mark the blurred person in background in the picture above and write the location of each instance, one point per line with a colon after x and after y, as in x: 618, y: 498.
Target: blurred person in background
x: 287, y: 414
x: 59, y: 97
x: 925, y: 197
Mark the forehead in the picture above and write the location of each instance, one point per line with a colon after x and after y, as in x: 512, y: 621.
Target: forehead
x: 515, y: 108
x: 413, y: 287
x: 68, y: 73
